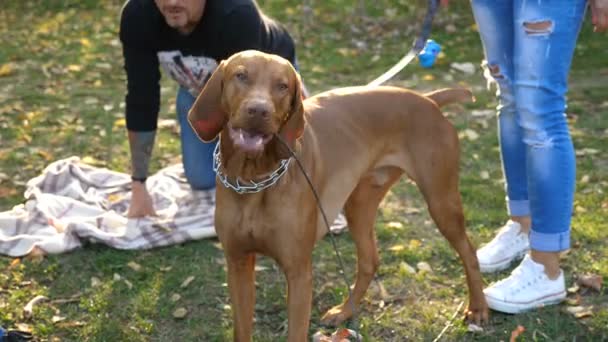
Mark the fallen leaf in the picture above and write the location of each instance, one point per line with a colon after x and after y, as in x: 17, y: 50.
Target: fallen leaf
x: 24, y: 327
x: 180, y: 313
x: 585, y: 179
x: 175, y: 297
x: 484, y: 174
x: 587, y: 151
x: 56, y: 319
x: 95, y: 282
x: 407, y: 268
x: 128, y: 283
x: 6, y: 69
x: 414, y: 244
x: 395, y: 225
x: 471, y: 134
x: 580, y: 311
x: 28, y: 309
x: 396, y: 248
x: 573, y: 289
x: 574, y: 301
x: 516, y: 332
x: 116, y: 277
x: 74, y: 67
x: 593, y: 281
x: 187, y: 281
x: 474, y: 328
x: 16, y: 262
x: 423, y: 266
x: 134, y: 266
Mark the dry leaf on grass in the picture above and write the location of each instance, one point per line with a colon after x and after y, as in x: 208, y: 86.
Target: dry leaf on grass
x: 593, y: 281
x: 180, y: 313
x: 28, y: 309
x: 472, y: 327
x: 95, y: 282
x: 187, y: 281
x: 580, y: 311
x: 16, y: 262
x: 424, y: 267
x: 134, y: 266
x: 516, y: 332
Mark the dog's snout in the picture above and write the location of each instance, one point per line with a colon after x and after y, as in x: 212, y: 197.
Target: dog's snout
x: 258, y: 109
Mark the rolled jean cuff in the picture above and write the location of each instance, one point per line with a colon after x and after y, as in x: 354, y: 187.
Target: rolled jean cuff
x: 518, y: 208
x: 554, y: 242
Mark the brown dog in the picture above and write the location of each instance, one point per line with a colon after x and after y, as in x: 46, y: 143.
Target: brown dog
x: 354, y: 143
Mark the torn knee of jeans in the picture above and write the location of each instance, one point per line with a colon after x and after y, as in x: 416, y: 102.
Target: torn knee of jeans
x: 538, y: 139
x: 493, y: 74
x: 538, y: 27
x: 495, y: 71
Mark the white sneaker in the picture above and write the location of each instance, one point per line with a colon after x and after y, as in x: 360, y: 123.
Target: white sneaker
x: 528, y: 287
x: 508, y: 245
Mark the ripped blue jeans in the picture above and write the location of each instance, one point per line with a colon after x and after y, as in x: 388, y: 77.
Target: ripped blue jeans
x: 528, y: 47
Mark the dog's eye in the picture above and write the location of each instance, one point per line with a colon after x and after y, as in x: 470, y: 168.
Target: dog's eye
x: 282, y: 86
x: 241, y: 76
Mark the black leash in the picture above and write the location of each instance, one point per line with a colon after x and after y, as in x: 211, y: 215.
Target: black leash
x: 332, y: 238
x: 419, y: 44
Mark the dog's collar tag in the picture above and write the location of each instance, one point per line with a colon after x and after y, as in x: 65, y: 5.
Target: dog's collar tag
x: 250, y: 187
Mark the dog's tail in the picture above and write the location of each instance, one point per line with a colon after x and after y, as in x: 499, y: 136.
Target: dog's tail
x: 450, y: 95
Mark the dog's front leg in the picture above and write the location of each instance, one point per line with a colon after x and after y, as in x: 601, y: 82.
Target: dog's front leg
x: 241, y: 279
x: 299, y: 299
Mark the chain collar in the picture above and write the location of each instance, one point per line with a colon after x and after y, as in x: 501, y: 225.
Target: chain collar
x: 250, y: 187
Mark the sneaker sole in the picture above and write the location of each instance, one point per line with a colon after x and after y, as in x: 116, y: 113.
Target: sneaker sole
x: 515, y: 308
x: 492, y: 268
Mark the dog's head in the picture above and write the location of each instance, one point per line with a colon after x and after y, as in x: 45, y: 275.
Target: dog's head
x: 254, y: 95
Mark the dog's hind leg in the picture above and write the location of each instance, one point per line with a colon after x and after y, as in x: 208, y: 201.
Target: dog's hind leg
x: 360, y: 211
x: 439, y: 186
x: 241, y: 283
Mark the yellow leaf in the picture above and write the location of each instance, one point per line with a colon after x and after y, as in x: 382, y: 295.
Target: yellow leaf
x: 85, y: 42
x: 6, y: 69
x: 74, y: 67
x: 120, y: 123
x: 415, y: 244
x: 428, y: 77
x: 395, y: 225
x: 396, y: 248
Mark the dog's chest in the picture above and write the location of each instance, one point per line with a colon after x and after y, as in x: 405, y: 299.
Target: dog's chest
x: 251, y: 220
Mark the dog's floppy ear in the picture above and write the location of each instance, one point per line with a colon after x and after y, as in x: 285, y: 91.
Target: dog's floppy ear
x: 293, y: 128
x: 207, y: 116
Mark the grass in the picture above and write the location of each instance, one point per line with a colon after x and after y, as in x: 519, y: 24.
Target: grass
x: 61, y: 94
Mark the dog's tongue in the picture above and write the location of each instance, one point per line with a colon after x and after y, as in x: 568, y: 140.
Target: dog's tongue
x: 248, y: 141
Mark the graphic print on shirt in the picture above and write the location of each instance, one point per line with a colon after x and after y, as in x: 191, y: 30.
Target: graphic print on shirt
x: 191, y: 72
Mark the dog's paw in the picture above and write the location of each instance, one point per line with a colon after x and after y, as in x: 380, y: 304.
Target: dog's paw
x: 336, y: 315
x: 477, y: 314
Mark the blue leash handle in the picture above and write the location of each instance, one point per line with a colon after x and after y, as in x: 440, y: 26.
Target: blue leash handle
x: 419, y: 43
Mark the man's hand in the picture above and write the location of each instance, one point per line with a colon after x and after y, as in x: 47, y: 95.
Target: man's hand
x: 141, y: 201
x: 599, y: 15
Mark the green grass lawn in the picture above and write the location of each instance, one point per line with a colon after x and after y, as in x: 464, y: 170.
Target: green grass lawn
x: 61, y: 94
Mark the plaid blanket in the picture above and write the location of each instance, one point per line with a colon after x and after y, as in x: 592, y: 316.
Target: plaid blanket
x: 72, y: 203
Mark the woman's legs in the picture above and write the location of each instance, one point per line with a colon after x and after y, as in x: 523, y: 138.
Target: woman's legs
x: 544, y: 37
x: 495, y: 23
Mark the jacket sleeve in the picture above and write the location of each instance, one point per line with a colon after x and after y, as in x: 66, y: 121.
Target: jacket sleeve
x: 142, y: 69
